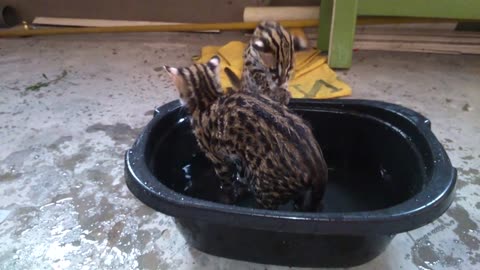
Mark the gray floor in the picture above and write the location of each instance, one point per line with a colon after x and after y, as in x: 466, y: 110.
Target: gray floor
x: 63, y: 200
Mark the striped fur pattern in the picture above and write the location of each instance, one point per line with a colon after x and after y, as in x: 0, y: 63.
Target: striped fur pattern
x: 274, y: 148
x: 269, y: 62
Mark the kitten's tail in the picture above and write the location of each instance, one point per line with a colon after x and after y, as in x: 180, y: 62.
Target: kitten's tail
x: 233, y: 79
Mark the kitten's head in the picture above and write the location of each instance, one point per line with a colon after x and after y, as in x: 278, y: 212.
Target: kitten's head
x: 197, y: 85
x: 276, y: 48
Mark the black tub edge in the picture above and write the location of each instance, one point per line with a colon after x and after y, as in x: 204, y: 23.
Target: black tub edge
x: 379, y: 222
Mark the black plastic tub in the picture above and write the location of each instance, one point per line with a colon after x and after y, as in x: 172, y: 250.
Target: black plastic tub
x: 387, y: 174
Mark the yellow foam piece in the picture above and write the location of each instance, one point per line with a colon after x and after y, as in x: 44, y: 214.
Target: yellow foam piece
x: 313, y: 77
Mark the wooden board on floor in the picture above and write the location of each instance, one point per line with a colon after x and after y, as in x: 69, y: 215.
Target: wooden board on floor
x: 441, y: 48
x: 474, y: 40
x: 434, y: 38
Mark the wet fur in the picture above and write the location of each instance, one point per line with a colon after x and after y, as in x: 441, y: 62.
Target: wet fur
x: 273, y: 148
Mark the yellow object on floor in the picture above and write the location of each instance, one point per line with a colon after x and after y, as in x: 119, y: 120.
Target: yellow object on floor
x: 313, y: 77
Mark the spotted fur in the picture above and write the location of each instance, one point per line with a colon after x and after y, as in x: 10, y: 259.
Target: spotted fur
x: 274, y: 148
x: 269, y: 62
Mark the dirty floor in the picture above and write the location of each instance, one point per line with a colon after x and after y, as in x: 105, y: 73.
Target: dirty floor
x: 70, y: 106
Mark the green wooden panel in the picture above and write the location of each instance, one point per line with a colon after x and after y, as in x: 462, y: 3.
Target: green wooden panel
x: 325, y: 22
x: 342, y: 33
x: 452, y: 9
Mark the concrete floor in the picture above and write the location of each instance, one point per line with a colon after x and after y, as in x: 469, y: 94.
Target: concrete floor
x: 63, y: 200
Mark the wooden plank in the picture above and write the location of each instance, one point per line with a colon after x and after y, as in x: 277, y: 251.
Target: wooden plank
x: 311, y: 12
x: 91, y: 22
x: 419, y: 38
x: 426, y: 34
x: 205, y: 11
x: 256, y: 14
x: 406, y: 39
x: 149, y: 28
x: 326, y: 8
x: 99, y: 23
x: 342, y: 33
x: 468, y: 26
x: 418, y: 47
x: 430, y: 30
x: 413, y: 38
x: 459, y: 9
x: 420, y: 26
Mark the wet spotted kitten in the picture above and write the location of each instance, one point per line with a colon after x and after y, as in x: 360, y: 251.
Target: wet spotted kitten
x: 273, y: 148
x: 269, y: 62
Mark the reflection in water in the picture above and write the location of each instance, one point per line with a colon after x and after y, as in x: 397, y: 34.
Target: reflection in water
x: 363, y: 173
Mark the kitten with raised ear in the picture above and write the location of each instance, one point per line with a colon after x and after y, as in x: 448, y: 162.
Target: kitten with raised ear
x: 274, y: 148
x: 269, y: 62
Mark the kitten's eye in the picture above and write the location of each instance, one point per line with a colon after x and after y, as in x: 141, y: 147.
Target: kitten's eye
x: 262, y: 46
x: 213, y: 63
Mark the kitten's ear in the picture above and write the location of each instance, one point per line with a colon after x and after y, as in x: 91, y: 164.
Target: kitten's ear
x: 177, y: 76
x: 214, y: 64
x: 233, y: 78
x: 300, y: 43
x: 173, y: 72
x: 260, y: 44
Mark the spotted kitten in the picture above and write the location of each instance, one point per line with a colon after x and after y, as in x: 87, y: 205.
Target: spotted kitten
x: 269, y: 62
x: 274, y: 147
